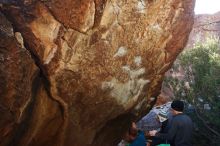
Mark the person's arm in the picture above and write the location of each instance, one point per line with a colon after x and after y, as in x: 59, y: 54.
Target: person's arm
x: 171, y: 132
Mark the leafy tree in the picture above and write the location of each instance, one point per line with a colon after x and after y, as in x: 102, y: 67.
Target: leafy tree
x: 200, y: 85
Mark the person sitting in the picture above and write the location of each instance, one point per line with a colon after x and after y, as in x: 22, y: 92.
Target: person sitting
x: 133, y: 137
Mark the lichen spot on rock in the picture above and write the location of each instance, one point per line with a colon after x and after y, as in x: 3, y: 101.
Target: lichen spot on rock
x: 141, y: 6
x: 138, y: 60
x: 122, y: 51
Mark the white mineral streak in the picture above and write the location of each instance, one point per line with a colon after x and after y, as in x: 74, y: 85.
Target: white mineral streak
x: 22, y: 109
x: 141, y: 6
x: 156, y: 27
x: 19, y: 38
x: 107, y: 85
x: 126, y: 69
x: 50, y: 55
x: 129, y: 92
x: 137, y: 73
x: 152, y: 98
x: 116, y: 8
x: 139, y: 105
x: 138, y: 60
x: 122, y: 51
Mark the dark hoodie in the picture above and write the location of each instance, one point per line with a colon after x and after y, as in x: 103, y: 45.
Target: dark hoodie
x: 180, y: 132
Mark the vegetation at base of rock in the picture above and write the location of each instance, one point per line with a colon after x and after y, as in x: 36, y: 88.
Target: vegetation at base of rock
x: 199, y: 86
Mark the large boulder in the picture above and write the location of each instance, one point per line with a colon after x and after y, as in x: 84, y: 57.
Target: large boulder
x: 85, y: 67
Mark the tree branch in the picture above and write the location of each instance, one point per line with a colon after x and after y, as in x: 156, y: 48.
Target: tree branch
x: 207, y: 126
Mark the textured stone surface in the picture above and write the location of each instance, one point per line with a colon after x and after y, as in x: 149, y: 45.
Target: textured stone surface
x: 101, y: 64
x: 17, y: 73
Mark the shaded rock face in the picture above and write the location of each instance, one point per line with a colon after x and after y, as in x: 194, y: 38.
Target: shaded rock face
x: 17, y: 71
x: 85, y: 67
x: 24, y: 102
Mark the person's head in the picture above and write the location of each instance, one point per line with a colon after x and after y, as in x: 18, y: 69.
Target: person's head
x: 177, y: 106
x: 132, y: 132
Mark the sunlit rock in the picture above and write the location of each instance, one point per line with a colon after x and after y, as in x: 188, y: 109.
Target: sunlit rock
x: 101, y: 62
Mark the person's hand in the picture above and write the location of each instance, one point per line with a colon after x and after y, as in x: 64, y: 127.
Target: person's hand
x: 153, y: 132
x: 147, y: 134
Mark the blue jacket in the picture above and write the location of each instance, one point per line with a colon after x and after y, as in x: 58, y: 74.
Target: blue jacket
x: 140, y: 140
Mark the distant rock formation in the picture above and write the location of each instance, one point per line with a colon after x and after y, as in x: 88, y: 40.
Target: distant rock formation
x: 205, y: 26
x: 72, y: 73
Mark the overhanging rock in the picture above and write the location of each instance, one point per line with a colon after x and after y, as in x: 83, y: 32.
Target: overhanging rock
x: 101, y: 63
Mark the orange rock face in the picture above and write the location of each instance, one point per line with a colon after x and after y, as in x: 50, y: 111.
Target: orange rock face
x: 94, y: 65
